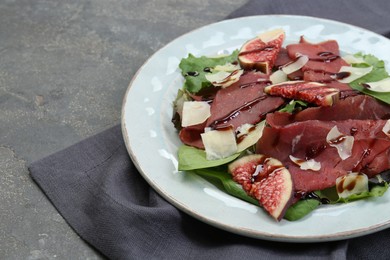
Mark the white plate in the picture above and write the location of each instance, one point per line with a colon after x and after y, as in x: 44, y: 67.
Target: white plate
x: 152, y: 141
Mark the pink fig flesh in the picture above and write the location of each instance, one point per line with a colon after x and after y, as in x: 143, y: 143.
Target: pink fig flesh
x: 265, y: 179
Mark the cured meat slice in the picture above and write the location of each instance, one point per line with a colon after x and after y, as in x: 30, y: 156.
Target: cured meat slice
x: 283, y: 58
x: 357, y: 107
x: 330, y: 67
x: 360, y: 107
x: 324, y: 51
x: 243, y: 102
x: 307, y: 140
x: 324, y: 61
x: 190, y: 135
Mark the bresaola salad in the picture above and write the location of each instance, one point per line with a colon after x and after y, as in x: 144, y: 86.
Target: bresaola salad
x: 286, y: 127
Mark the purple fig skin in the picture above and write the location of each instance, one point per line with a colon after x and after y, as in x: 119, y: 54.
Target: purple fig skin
x: 256, y: 54
x: 265, y: 179
x: 275, y: 193
x: 313, y: 92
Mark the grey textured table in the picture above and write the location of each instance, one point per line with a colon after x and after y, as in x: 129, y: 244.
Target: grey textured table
x: 64, y: 68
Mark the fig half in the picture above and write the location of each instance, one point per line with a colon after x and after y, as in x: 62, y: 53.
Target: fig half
x: 261, y: 52
x: 265, y: 179
x: 311, y: 92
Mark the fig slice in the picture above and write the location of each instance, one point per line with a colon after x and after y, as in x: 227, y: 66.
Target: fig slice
x: 312, y: 92
x: 260, y: 53
x: 265, y: 179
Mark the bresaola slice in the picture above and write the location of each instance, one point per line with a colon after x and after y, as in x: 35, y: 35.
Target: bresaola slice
x: 307, y: 140
x: 228, y: 110
x: 360, y: 107
x: 243, y: 102
x: 362, y: 117
x: 323, y: 66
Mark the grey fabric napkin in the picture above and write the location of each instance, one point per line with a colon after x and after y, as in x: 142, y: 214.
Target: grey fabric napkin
x: 97, y: 189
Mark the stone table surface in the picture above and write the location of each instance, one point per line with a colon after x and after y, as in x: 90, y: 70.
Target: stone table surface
x: 64, y: 68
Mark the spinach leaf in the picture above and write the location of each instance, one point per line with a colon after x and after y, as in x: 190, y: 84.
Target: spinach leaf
x: 305, y: 206
x: 301, y: 209
x: 191, y: 158
x: 375, y: 190
x: 195, y: 66
x: 225, y: 179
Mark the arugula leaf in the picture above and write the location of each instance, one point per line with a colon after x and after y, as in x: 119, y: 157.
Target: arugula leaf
x: 378, y: 73
x: 301, y: 209
x: 191, y: 158
x: 230, y: 186
x: 197, y: 65
x: 293, y: 106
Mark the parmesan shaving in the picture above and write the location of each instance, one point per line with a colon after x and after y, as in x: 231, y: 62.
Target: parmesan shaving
x: 343, y: 143
x: 194, y: 112
x: 306, y: 165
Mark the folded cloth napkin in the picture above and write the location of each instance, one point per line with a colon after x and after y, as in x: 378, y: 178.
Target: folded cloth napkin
x: 97, y: 189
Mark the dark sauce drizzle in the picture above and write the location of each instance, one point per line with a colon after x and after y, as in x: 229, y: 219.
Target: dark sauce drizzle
x: 236, y: 112
x: 207, y: 69
x: 192, y: 74
x: 310, y: 195
x: 266, y: 48
x: 337, y: 140
x: 314, y: 150
x: 264, y: 170
x: 242, y: 137
x: 340, y: 186
x: 326, y: 56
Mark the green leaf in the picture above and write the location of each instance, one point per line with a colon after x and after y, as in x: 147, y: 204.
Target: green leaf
x: 225, y: 179
x: 293, y: 106
x: 191, y: 158
x: 378, y: 73
x: 301, y: 209
x: 197, y: 65
x: 305, y: 206
x: 376, y: 191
